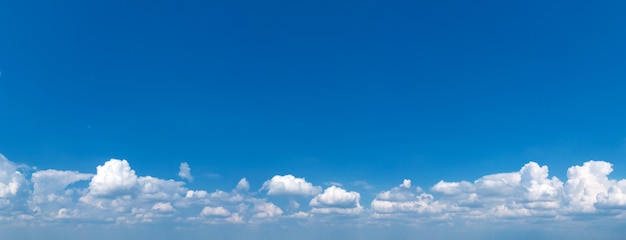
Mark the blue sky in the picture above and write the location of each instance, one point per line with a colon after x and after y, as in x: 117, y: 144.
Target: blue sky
x: 324, y: 107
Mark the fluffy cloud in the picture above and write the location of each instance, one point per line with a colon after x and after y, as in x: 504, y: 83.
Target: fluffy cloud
x: 113, y: 178
x: 215, y: 211
x: 538, y: 190
x: 588, y: 188
x: 11, y: 180
x: 266, y: 210
x: 290, y: 185
x: 115, y: 194
x: 185, y: 172
x: 163, y: 207
x: 14, y: 190
x: 404, y: 199
x: 336, y: 200
x: 159, y: 189
x: 527, y: 192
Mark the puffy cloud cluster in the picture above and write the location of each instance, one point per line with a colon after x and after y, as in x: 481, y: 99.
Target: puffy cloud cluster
x: 528, y: 193
x: 116, y: 194
x: 403, y: 199
x: 13, y: 186
x: 336, y: 200
x: 113, y: 178
x: 290, y: 185
x: 266, y: 210
x: 215, y: 211
x: 588, y: 187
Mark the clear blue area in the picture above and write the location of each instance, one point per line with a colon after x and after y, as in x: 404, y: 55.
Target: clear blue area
x: 338, y: 91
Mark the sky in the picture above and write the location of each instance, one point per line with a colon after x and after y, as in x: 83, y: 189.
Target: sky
x: 312, y: 119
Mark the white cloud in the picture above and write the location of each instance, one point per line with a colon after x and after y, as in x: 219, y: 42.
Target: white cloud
x: 116, y: 194
x: 113, y: 178
x: 163, y: 207
x: 588, y: 187
x: 404, y: 199
x: 11, y: 180
x: 215, y: 211
x: 299, y: 215
x: 14, y: 189
x: 290, y: 185
x: 185, y: 172
x: 49, y: 185
x: 451, y: 188
x: 196, y: 194
x: 406, y: 183
x: 159, y: 189
x: 336, y: 200
x: 266, y: 210
x: 235, y: 218
x: 528, y: 192
x: 539, y: 190
x: 243, y: 185
x: 336, y: 197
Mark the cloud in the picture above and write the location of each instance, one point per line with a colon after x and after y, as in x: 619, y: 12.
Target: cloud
x: 588, y: 188
x: 51, y: 181
x: 14, y: 189
x: 163, y: 207
x: 266, y: 210
x: 403, y: 199
x: 235, y: 218
x: 336, y: 197
x: 451, y: 188
x: 185, y: 172
x: 159, y: 189
x: 290, y: 185
x: 115, y: 194
x: 406, y: 183
x: 336, y: 200
x: 114, y: 178
x: 243, y: 185
x: 540, y: 191
x: 11, y: 180
x: 215, y: 211
x: 50, y: 185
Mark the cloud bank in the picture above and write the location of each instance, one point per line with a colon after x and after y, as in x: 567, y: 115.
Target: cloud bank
x: 116, y: 194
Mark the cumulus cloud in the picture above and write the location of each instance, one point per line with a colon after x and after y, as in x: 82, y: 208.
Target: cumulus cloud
x: 11, y: 180
x: 113, y: 178
x: 290, y: 185
x: 185, y: 172
x: 14, y: 190
x: 266, y: 210
x: 588, y: 187
x: 116, y: 194
x: 163, y: 207
x: 404, y: 199
x: 336, y: 200
x: 159, y: 189
x: 215, y: 211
